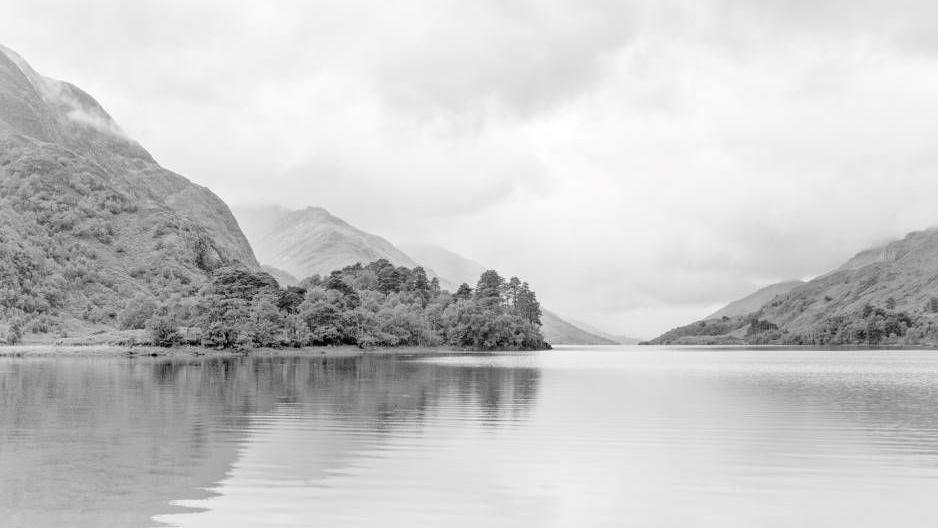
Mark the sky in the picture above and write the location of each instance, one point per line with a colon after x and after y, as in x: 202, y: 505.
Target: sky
x: 639, y: 163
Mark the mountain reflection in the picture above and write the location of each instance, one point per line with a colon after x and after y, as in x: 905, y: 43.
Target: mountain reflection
x: 118, y: 439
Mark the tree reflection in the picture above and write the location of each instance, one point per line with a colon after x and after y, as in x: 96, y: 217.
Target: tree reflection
x: 118, y: 439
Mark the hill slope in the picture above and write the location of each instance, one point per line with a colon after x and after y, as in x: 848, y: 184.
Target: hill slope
x: 888, y: 294
x: 559, y: 332
x: 88, y: 218
x: 312, y: 241
x: 452, y: 267
x: 754, y: 301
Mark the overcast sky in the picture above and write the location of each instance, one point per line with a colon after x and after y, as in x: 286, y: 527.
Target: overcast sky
x: 640, y: 163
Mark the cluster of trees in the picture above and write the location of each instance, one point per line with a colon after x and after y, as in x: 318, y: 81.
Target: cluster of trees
x: 869, y: 326
x: 377, y: 304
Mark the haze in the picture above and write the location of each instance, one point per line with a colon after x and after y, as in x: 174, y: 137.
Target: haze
x: 640, y: 163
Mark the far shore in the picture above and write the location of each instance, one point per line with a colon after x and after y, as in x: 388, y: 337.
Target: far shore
x: 189, y: 352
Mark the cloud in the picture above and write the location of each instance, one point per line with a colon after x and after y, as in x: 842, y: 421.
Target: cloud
x: 637, y: 162
x: 517, y: 58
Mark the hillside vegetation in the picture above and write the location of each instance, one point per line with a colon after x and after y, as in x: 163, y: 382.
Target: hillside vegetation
x: 88, y: 220
x: 887, y: 295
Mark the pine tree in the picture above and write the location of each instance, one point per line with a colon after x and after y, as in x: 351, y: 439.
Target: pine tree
x: 490, y: 289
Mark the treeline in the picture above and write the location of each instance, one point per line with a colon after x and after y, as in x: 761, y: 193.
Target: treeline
x: 372, y: 305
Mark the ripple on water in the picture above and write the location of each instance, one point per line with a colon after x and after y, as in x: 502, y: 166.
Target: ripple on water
x: 580, y: 437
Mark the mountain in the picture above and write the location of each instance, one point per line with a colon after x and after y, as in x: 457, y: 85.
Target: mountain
x: 88, y: 218
x: 886, y: 294
x: 283, y: 278
x: 618, y: 339
x: 312, y: 241
x: 451, y: 266
x: 559, y: 332
x: 754, y: 301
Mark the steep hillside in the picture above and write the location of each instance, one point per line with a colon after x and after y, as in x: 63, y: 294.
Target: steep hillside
x: 888, y: 294
x: 754, y: 301
x: 312, y: 241
x: 87, y: 218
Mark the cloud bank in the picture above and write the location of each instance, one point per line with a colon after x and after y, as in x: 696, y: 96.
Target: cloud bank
x: 640, y: 163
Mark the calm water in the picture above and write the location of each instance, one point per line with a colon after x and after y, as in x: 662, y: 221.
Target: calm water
x: 572, y: 437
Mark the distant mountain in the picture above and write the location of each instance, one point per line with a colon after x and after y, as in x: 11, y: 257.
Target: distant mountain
x: 283, y: 278
x: 754, y: 301
x: 618, y: 339
x: 87, y: 217
x: 887, y: 294
x: 451, y: 266
x: 312, y: 241
x: 559, y: 332
x: 257, y: 221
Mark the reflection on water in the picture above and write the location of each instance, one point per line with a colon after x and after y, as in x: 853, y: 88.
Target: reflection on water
x: 574, y: 437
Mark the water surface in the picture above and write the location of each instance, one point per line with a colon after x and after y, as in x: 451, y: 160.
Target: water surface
x: 571, y: 437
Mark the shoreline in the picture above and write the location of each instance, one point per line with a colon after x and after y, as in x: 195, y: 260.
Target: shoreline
x: 194, y: 352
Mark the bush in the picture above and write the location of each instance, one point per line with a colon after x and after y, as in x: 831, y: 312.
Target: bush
x: 163, y: 331
x: 15, y: 333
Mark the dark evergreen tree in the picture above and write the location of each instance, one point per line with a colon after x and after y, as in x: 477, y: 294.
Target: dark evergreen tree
x: 463, y: 293
x: 490, y: 289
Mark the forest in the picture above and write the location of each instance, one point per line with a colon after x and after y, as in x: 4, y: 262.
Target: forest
x: 377, y: 304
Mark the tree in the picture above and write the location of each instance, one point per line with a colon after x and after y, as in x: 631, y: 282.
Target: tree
x: 290, y: 299
x: 266, y: 323
x: 491, y: 288
x: 238, y: 283
x: 224, y: 321
x: 421, y: 283
x: 526, y: 305
x: 15, y: 332
x: 389, y: 280
x: 463, y: 293
x: 512, y: 289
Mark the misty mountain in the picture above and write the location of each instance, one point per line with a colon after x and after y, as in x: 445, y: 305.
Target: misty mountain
x: 88, y: 218
x: 559, y: 332
x: 885, y: 294
x: 312, y: 241
x: 283, y: 278
x: 754, y: 301
x: 619, y: 339
x: 452, y: 267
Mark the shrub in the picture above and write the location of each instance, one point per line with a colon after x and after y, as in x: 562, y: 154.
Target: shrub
x: 163, y: 331
x: 15, y: 333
